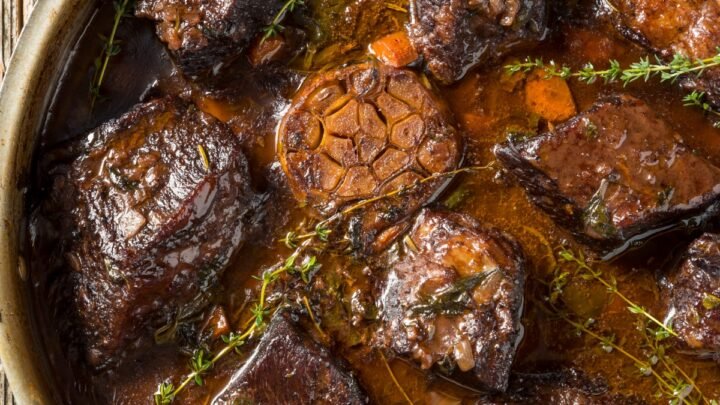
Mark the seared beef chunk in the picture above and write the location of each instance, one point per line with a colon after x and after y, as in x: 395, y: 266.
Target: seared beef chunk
x: 161, y: 195
x: 363, y: 131
x: 686, y: 27
x: 693, y: 292
x: 288, y: 367
x: 455, y: 35
x: 562, y: 388
x: 613, y: 173
x: 455, y: 299
x: 205, y: 35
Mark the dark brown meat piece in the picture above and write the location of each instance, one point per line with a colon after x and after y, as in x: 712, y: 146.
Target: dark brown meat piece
x: 455, y: 299
x: 614, y: 174
x: 560, y: 388
x: 157, y: 222
x: 693, y: 297
x: 205, y: 35
x: 363, y: 131
x: 686, y: 27
x: 456, y: 35
x: 288, y: 367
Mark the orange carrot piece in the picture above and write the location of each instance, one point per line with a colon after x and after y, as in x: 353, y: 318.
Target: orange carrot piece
x: 549, y: 98
x: 394, y: 49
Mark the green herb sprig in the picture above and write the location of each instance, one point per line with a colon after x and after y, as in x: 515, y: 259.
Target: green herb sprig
x: 322, y: 229
x: 111, y: 47
x: 669, y: 387
x: 683, y: 384
x: 453, y: 300
x: 679, y: 66
x: 673, y: 382
x: 697, y: 99
x: 202, y: 362
x: 644, y: 69
x: 586, y: 272
x: 275, y: 26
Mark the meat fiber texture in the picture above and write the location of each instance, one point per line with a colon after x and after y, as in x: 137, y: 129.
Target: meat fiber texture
x: 686, y: 27
x: 454, y: 301
x: 288, y: 367
x: 454, y: 36
x: 204, y: 36
x: 693, y: 296
x: 161, y: 199
x: 615, y: 175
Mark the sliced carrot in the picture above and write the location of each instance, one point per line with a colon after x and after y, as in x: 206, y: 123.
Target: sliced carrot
x: 394, y: 49
x: 549, y: 98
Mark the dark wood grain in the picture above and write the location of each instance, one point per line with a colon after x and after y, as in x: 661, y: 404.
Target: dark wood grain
x: 13, y: 15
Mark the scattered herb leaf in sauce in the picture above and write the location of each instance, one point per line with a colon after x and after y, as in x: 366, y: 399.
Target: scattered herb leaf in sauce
x: 711, y: 301
x: 453, y: 300
x: 597, y: 216
x: 204, y: 157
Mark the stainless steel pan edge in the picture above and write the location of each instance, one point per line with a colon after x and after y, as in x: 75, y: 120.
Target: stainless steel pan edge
x: 28, y: 87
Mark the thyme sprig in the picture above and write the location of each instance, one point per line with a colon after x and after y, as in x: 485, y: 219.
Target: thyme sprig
x: 672, y: 381
x: 645, y: 367
x: 111, y: 47
x: 697, y: 99
x: 683, y: 384
x: 586, y: 272
x: 322, y: 229
x: 275, y: 26
x: 679, y: 66
x: 395, y: 380
x: 202, y: 362
x: 644, y: 69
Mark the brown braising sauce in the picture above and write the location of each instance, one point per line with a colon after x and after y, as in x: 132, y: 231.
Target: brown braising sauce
x: 488, y: 106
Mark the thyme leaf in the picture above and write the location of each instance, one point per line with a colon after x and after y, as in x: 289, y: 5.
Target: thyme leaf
x: 644, y: 69
x: 164, y: 394
x: 453, y: 300
x: 596, y: 216
x: 200, y: 364
x: 204, y: 157
x: 711, y: 301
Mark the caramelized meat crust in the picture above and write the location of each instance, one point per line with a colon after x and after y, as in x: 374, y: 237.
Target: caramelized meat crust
x: 363, y: 131
x: 455, y: 35
x: 205, y: 35
x: 455, y: 299
x: 161, y: 198
x: 686, y: 27
x: 288, y: 367
x: 614, y: 174
x: 693, y: 297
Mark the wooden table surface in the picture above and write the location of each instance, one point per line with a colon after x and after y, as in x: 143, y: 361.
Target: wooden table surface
x: 13, y: 15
